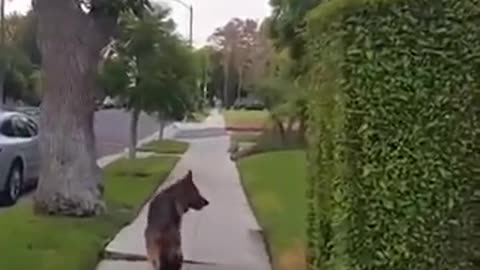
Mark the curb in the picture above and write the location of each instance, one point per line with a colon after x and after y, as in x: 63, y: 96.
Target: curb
x: 107, y: 160
x: 245, y: 129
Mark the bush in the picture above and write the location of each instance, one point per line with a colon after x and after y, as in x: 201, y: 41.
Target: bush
x: 394, y: 134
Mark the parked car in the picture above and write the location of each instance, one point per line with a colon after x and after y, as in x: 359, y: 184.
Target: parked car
x: 113, y: 103
x: 108, y: 103
x: 19, y: 154
x: 32, y: 112
x: 249, y: 103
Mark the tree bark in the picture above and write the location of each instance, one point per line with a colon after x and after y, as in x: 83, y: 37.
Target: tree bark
x: 70, y: 44
x: 132, y: 149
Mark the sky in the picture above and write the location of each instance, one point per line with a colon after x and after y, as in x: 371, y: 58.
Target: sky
x: 208, y: 14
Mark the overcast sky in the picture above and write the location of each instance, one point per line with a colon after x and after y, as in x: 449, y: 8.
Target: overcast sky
x: 208, y: 14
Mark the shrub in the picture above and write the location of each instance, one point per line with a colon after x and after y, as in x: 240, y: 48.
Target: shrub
x: 394, y: 111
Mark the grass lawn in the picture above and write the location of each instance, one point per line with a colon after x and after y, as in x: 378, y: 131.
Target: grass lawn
x: 246, y: 119
x: 275, y: 183
x: 51, y: 243
x: 166, y: 147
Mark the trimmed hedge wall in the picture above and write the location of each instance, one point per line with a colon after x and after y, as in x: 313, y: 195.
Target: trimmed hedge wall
x: 394, y: 135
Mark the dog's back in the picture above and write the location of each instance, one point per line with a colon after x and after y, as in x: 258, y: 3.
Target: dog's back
x: 162, y: 235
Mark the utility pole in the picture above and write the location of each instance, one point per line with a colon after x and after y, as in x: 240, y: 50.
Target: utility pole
x: 191, y: 25
x: 190, y: 9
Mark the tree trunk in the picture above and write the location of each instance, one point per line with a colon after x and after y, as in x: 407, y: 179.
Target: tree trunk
x: 281, y: 129
x: 70, y: 180
x: 3, y: 63
x: 161, y: 127
x: 291, y: 122
x: 240, y: 84
x: 3, y: 94
x: 302, y: 130
x: 289, y: 131
x: 132, y: 148
x: 226, y: 83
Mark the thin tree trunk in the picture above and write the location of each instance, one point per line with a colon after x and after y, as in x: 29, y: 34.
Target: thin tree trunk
x: 291, y: 122
x: 226, y: 83
x: 240, y: 84
x: 302, y: 129
x: 132, y: 149
x: 161, y: 126
x: 3, y: 94
x: 70, y: 43
x: 289, y: 132
x: 281, y: 130
x: 303, y: 117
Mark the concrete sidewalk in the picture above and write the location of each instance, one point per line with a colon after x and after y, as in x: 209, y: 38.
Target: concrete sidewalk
x: 223, y: 236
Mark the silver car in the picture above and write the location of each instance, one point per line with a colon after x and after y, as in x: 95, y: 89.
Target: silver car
x: 19, y: 154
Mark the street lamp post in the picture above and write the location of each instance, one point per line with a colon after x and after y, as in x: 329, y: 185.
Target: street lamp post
x: 190, y: 9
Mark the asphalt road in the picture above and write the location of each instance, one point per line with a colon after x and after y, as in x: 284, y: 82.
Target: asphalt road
x: 112, y: 130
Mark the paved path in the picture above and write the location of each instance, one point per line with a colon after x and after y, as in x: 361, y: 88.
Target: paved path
x: 223, y: 236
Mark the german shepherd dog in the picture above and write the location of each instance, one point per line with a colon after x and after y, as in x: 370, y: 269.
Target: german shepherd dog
x: 162, y: 235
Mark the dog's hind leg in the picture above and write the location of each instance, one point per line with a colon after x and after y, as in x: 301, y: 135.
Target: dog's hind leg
x: 171, y: 257
x: 154, y: 249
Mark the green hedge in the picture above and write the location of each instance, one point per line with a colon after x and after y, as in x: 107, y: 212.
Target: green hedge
x: 394, y: 135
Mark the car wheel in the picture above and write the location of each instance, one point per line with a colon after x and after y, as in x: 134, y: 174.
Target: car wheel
x: 14, y: 183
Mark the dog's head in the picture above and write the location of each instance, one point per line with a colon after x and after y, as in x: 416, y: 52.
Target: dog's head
x: 190, y: 195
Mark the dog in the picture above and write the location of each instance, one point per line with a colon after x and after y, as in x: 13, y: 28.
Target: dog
x: 162, y: 234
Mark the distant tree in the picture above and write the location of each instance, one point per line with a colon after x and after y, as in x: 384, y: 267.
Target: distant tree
x: 226, y: 39
x: 245, y: 52
x: 24, y: 35
x: 205, y: 68
x: 152, y: 70
x: 177, y: 92
x: 17, y: 63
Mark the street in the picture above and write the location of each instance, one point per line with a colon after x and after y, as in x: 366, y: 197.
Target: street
x: 112, y: 130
